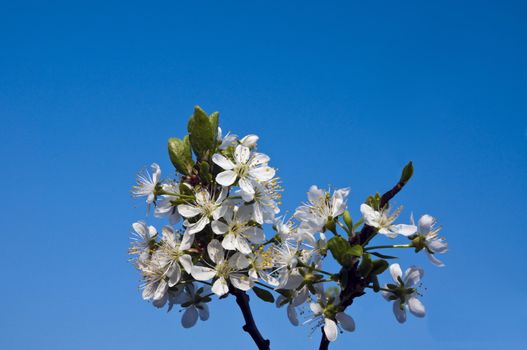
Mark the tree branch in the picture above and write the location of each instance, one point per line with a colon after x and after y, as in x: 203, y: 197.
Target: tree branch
x: 354, y: 282
x: 242, y: 299
x: 324, y: 342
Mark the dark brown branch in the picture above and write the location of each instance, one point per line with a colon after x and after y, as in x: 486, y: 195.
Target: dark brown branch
x: 324, y: 342
x: 355, y: 283
x: 242, y: 299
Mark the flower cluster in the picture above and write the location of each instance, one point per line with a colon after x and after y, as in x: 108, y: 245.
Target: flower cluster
x: 223, y: 235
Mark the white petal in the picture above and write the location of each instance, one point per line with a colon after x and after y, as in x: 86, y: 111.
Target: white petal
x: 149, y: 290
x: 371, y: 217
x: 413, y: 275
x: 425, y: 224
x: 203, y: 311
x: 346, y: 321
x: 140, y: 228
x: 188, y: 211
x: 291, y: 315
x: 262, y: 173
x: 416, y: 307
x: 202, y: 273
x: 246, y: 186
x: 395, y: 271
x: 238, y: 261
x: 435, y: 260
x: 186, y: 241
x: 220, y: 287
x: 161, y: 290
x: 229, y: 242
x: 259, y: 159
x: 330, y: 329
x: 226, y: 178
x: 198, y: 226
x: 241, y: 282
x: 400, y: 313
x: 219, y: 227
x: 315, y: 194
x: 173, y: 274
x: 186, y: 262
x: 255, y: 235
x: 402, y: 229
x: 316, y: 308
x: 249, y: 140
x: 223, y: 162
x: 190, y: 317
x: 339, y: 200
x: 215, y: 251
x: 241, y: 154
x: 242, y: 245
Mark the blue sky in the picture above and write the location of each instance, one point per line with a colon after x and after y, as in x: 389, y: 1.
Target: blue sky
x: 341, y: 94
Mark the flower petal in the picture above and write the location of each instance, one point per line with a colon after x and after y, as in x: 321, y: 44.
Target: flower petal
x: 220, y: 287
x: 223, y: 162
x: 202, y: 273
x: 219, y: 227
x: 241, y: 282
x: 346, y: 321
x: 190, y: 317
x: 395, y: 271
x: 186, y: 262
x: 399, y: 312
x: 226, y: 178
x: 215, y: 251
x: 241, y: 154
x: 262, y: 173
x: 330, y: 329
x: 188, y: 211
x: 291, y: 315
x: 203, y: 311
x: 416, y: 307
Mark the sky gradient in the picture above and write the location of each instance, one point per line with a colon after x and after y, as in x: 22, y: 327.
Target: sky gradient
x: 341, y: 94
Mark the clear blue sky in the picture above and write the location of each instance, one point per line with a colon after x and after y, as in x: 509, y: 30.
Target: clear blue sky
x: 341, y: 93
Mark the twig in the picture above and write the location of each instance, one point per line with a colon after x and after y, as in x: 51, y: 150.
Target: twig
x: 242, y: 299
x: 355, y: 283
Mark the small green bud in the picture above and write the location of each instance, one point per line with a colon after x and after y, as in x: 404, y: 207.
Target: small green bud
x: 407, y: 173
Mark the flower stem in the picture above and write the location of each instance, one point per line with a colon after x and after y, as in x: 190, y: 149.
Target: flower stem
x: 389, y: 246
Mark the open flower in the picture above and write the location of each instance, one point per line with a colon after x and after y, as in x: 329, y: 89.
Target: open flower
x: 165, y: 206
x: 145, y: 236
x: 246, y: 169
x: 194, y: 301
x: 205, y: 207
x: 155, y: 286
x: 146, y: 183
x: 225, y: 269
x: 294, y: 299
x: 383, y: 222
x: 173, y: 249
x: 403, y: 293
x: 326, y: 312
x: 238, y: 233
x: 427, y: 237
x: 322, y: 208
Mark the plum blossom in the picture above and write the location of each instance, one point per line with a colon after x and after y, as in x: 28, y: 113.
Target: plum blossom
x: 238, y: 233
x: 383, y: 222
x: 247, y: 169
x: 173, y: 254
x: 326, y: 312
x: 403, y: 293
x: 165, y: 206
x: 205, y: 207
x: 143, y: 239
x: 321, y: 208
x: 224, y: 269
x: 146, y: 183
x: 428, y: 235
x: 194, y: 301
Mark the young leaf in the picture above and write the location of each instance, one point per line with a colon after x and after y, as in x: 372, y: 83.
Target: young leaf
x: 379, y: 266
x: 180, y: 154
x: 202, y: 134
x: 407, y: 173
x: 263, y: 294
x: 343, y: 252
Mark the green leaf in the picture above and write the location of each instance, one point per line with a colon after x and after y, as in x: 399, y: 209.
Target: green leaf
x: 366, y: 265
x: 263, y: 294
x: 379, y: 255
x: 202, y: 134
x: 348, y: 221
x: 379, y: 266
x: 180, y: 154
x: 214, y: 119
x: 343, y: 252
x: 407, y: 173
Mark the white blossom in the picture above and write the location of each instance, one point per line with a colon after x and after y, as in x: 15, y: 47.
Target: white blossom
x: 146, y: 183
x: 405, y: 295
x: 238, y: 233
x: 205, y: 208
x: 383, y: 222
x: 247, y: 168
x: 195, y: 305
x: 434, y: 244
x: 225, y: 269
x: 143, y: 238
x: 321, y: 208
x: 173, y: 249
x: 165, y: 206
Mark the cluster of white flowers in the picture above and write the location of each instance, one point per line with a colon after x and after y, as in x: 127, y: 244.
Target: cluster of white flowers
x: 221, y: 244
